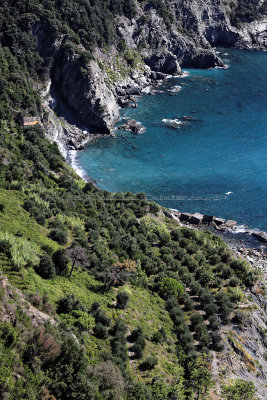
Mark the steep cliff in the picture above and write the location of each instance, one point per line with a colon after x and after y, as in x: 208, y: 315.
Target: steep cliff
x: 162, y: 37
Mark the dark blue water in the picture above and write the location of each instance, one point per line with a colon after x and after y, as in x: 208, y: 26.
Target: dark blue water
x: 223, y: 150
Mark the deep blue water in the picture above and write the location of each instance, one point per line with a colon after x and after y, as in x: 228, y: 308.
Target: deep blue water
x: 224, y: 150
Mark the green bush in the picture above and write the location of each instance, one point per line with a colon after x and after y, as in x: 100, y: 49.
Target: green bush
x: 239, y: 390
x: 59, y: 235
x: 61, y: 262
x: 149, y: 363
x: 170, y: 287
x: 122, y: 300
x: 69, y: 303
x: 100, y: 331
x: 46, y: 267
x: 8, y: 334
x: 22, y: 252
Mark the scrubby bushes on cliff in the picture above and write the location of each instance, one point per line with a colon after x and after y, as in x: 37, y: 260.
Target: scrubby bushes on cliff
x: 122, y: 300
x: 137, y: 336
x: 245, y: 11
x: 46, y: 267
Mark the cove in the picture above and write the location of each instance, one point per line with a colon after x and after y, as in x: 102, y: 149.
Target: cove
x: 215, y: 163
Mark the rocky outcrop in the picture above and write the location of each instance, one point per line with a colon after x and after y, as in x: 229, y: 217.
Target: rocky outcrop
x: 132, y: 126
x: 164, y: 61
x: 62, y: 127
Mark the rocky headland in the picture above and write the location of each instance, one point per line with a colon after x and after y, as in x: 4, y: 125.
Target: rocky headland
x: 154, y: 44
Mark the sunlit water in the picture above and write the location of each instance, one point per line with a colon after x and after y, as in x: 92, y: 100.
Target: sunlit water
x: 224, y: 150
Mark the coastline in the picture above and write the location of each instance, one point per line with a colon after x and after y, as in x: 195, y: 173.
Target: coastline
x: 237, y: 237
x: 238, y: 234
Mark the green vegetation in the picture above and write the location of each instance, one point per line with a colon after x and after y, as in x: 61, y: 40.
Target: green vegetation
x: 246, y: 11
x: 126, y: 281
x: 114, y: 240
x: 239, y: 390
x: 105, y: 298
x: 162, y: 8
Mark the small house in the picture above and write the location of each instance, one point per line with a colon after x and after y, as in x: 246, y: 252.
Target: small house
x: 27, y: 121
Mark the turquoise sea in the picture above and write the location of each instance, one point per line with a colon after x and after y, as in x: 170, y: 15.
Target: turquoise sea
x: 215, y: 163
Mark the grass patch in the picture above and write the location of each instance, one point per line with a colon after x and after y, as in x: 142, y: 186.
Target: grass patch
x: 14, y: 219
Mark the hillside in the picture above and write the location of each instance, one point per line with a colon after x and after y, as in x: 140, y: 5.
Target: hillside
x: 103, y: 296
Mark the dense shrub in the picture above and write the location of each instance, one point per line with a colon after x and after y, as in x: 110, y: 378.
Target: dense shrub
x: 100, y: 331
x: 102, y: 318
x: 149, y: 363
x: 224, y: 304
x: 160, y: 336
x: 69, y: 303
x: 122, y: 300
x: 61, y: 262
x: 59, y: 235
x: 46, y: 267
x: 138, y: 337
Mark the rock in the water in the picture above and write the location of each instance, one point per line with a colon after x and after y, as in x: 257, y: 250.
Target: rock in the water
x: 132, y: 126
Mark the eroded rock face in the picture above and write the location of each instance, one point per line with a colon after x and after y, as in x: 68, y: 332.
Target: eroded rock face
x: 89, y: 95
x: 95, y: 93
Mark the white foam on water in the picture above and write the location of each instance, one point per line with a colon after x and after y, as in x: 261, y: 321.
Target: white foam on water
x: 239, y: 229
x: 184, y: 74
x: 175, y: 89
x: 74, y: 163
x: 146, y: 90
x: 173, y: 123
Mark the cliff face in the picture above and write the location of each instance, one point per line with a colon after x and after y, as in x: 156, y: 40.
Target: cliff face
x: 182, y: 36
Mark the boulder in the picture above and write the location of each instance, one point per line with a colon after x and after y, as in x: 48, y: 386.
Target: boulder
x: 120, y: 91
x: 175, y: 214
x: 185, y: 217
x: 230, y: 223
x: 196, y: 219
x: 123, y: 103
x: 133, y: 91
x: 207, y: 219
x: 219, y: 221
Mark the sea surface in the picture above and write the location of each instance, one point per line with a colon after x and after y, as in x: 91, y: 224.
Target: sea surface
x: 215, y: 163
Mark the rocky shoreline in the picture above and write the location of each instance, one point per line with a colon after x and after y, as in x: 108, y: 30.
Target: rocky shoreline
x: 153, y: 48
x: 246, y: 243
x: 217, y: 224
x: 81, y: 106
